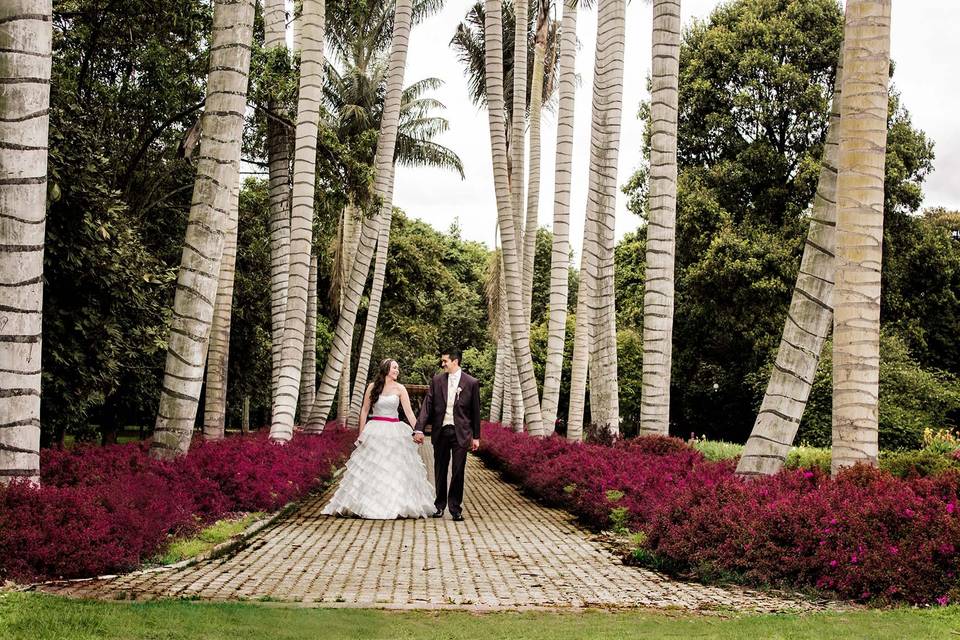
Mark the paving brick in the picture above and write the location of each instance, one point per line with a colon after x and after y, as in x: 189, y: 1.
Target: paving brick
x: 510, y: 552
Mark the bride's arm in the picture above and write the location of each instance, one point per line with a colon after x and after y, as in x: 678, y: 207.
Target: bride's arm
x: 364, y: 410
x: 407, y: 408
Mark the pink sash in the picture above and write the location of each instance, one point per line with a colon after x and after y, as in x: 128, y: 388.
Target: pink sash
x: 383, y: 419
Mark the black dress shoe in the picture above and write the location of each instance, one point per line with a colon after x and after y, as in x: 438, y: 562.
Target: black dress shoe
x: 458, y: 517
x: 438, y: 514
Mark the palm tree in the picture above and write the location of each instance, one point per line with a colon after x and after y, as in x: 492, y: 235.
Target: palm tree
x: 217, y: 176
x: 278, y: 161
x: 582, y: 337
x: 519, y: 328
x: 560, y: 252
x: 604, y: 151
x: 661, y: 227
x: 308, y: 374
x: 517, y: 144
x: 808, y: 322
x: 25, y: 55
x: 415, y: 147
x: 215, y: 395
x: 533, y: 186
x: 301, y: 223
x: 860, y: 176
x: 383, y: 163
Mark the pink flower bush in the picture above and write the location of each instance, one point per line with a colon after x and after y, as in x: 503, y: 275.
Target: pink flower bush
x: 865, y: 535
x: 106, y: 509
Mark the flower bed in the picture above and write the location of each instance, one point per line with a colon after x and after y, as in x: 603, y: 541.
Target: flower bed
x: 105, y: 509
x: 865, y: 535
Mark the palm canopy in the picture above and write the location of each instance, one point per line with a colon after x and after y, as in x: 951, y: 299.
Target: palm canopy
x: 354, y: 101
x: 468, y: 42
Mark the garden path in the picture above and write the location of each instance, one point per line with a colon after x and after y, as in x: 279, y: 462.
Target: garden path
x: 509, y: 553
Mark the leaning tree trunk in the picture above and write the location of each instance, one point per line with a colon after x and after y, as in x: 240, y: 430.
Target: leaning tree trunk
x: 308, y: 374
x: 25, y: 54
x: 519, y: 328
x: 661, y: 228
x: 533, y: 190
x: 373, y: 307
x: 217, y: 176
x: 808, y: 322
x: 218, y: 353
x: 278, y: 161
x: 383, y: 163
x: 582, y: 337
x: 860, y: 175
x: 301, y: 221
x: 560, y: 252
x: 604, y: 152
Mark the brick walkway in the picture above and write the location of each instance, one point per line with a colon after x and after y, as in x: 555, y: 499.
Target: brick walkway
x: 510, y: 552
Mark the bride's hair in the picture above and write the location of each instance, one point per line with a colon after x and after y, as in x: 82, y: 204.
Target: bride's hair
x: 379, y: 381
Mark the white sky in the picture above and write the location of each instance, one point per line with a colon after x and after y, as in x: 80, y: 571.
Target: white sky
x: 924, y: 39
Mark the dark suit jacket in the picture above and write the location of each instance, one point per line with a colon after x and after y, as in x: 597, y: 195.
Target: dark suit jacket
x: 466, y: 408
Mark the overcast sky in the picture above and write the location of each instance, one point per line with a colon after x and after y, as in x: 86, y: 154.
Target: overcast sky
x: 924, y: 44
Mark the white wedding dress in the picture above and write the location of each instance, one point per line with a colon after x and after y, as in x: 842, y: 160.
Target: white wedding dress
x: 385, y: 477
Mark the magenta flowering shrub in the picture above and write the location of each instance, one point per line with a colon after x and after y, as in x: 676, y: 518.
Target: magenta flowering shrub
x: 106, y: 509
x: 865, y: 535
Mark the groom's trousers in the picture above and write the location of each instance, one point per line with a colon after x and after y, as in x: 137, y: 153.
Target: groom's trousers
x: 444, y: 447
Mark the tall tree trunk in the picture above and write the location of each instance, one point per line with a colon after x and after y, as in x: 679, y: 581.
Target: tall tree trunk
x: 349, y: 238
x: 25, y: 55
x: 297, y: 26
x: 301, y: 221
x: 533, y: 190
x: 519, y: 328
x: 582, y: 337
x: 373, y: 307
x: 496, y: 400
x: 560, y: 251
x: 516, y: 145
x: 860, y: 176
x: 386, y: 144
x: 218, y: 353
x: 808, y: 322
x: 217, y: 176
x: 278, y: 160
x: 604, y: 152
x: 661, y: 228
x: 308, y: 374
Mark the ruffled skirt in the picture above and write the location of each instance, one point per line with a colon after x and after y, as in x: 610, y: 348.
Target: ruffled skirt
x: 385, y: 477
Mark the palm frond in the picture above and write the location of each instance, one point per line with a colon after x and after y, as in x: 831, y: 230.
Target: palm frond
x: 412, y: 152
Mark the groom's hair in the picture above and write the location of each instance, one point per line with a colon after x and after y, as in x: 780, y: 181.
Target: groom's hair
x: 453, y: 354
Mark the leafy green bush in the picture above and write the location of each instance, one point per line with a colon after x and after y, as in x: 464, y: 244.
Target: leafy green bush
x: 716, y: 450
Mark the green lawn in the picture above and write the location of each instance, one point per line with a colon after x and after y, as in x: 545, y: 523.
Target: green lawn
x: 207, y: 539
x: 41, y: 617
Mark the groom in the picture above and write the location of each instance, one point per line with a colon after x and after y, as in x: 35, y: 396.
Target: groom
x: 452, y: 408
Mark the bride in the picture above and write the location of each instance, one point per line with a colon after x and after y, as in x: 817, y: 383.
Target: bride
x: 385, y: 477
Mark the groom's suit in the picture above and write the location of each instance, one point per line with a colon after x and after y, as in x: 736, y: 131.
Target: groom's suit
x: 451, y: 437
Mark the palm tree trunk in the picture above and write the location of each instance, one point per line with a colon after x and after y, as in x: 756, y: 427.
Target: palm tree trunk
x: 301, y: 222
x: 533, y: 190
x: 218, y: 353
x: 582, y: 338
x: 517, y: 144
x: 496, y: 401
x: 513, y: 303
x: 349, y: 238
x: 25, y: 55
x: 217, y: 176
x: 560, y: 253
x: 808, y: 322
x: 604, y: 152
x: 860, y: 176
x: 296, y: 27
x: 386, y: 145
x: 661, y: 228
x: 278, y: 160
x: 373, y: 307
x: 308, y: 374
